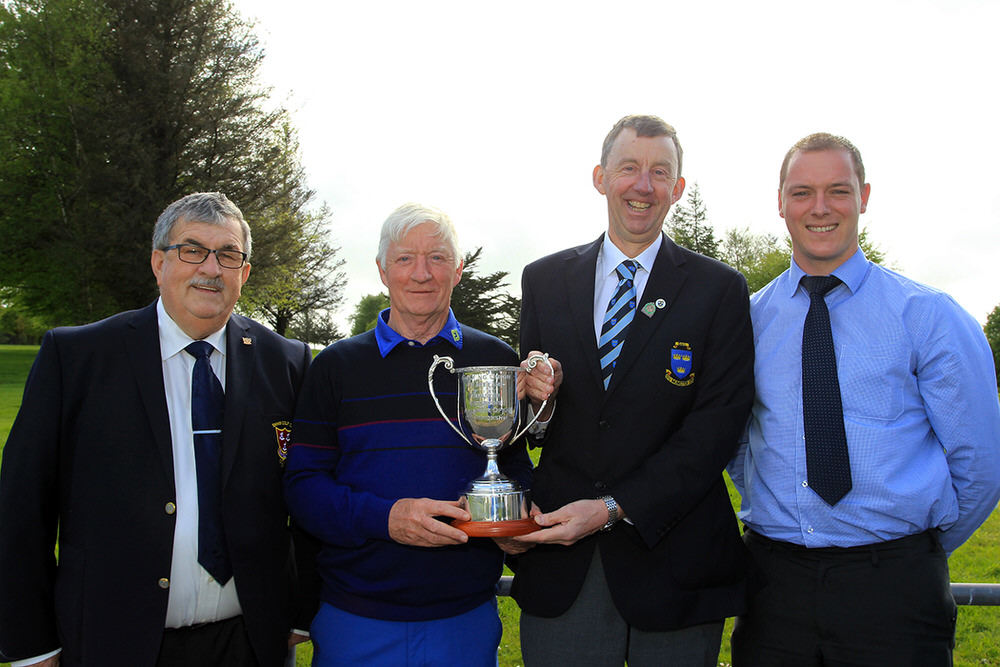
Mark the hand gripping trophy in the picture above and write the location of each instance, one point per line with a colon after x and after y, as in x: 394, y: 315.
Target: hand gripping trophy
x: 488, y: 414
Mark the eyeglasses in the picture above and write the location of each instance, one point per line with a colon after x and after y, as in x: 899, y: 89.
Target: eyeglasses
x: 196, y: 254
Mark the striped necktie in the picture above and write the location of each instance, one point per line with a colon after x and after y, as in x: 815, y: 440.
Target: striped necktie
x: 620, y: 312
x: 207, y: 406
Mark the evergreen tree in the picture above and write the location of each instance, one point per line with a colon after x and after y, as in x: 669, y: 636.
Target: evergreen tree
x: 112, y: 110
x: 479, y: 301
x: 689, y: 227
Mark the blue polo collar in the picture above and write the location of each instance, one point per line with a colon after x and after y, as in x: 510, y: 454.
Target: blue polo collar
x: 388, y: 338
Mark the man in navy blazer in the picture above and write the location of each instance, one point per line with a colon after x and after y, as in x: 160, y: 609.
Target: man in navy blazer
x: 101, y: 459
x: 640, y: 557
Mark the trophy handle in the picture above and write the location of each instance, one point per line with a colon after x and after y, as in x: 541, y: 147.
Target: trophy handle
x: 449, y: 363
x: 532, y: 362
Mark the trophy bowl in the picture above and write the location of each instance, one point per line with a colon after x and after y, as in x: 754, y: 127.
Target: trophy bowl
x: 488, y: 417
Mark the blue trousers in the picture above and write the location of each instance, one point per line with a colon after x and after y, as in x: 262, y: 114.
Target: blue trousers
x: 470, y: 639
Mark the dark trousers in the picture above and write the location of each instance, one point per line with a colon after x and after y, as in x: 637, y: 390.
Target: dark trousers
x: 220, y: 644
x: 880, y: 605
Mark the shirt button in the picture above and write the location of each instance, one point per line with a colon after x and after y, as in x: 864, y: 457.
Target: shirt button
x: 809, y: 530
x: 410, y: 343
x: 805, y: 484
x: 164, y: 583
x: 170, y: 508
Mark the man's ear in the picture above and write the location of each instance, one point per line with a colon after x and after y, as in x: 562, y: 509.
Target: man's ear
x: 599, y: 179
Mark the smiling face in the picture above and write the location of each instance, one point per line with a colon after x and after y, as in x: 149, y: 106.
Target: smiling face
x: 200, y: 297
x: 420, y: 272
x: 821, y: 201
x: 640, y: 182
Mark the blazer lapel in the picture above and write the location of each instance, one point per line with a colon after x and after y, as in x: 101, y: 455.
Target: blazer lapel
x: 580, y: 275
x: 142, y: 347
x: 665, y: 282
x: 241, y: 358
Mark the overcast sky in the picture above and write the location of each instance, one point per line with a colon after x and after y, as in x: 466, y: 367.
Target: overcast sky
x: 496, y: 112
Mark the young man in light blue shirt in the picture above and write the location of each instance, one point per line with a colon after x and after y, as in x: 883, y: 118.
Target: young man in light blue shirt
x: 860, y: 577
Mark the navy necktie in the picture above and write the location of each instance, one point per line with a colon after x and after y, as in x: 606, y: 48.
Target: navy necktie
x: 207, y: 405
x: 827, y: 462
x: 619, y: 315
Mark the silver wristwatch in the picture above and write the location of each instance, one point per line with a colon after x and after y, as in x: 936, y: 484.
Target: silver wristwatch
x: 612, y: 512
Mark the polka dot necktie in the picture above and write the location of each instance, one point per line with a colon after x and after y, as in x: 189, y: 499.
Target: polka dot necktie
x: 827, y: 462
x: 620, y: 312
x: 207, y: 406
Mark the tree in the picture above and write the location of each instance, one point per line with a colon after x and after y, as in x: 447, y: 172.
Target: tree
x: 296, y: 272
x: 759, y: 257
x: 366, y: 311
x: 315, y: 328
x: 992, y: 331
x: 17, y: 325
x: 688, y: 226
x: 297, y: 276
x: 480, y: 302
x: 113, y: 109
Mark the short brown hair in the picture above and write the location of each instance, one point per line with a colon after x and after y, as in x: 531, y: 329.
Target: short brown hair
x: 644, y: 126
x: 823, y: 141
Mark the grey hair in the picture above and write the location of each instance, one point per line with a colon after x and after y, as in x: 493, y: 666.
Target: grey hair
x: 644, y: 126
x: 212, y: 208
x: 401, y: 221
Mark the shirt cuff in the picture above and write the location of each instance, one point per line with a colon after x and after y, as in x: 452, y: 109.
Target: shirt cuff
x: 538, y: 428
x: 35, y: 660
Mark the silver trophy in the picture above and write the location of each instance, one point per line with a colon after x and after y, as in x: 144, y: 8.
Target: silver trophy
x: 488, y: 414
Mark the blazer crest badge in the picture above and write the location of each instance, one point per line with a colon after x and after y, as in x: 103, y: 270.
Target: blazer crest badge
x: 283, y: 434
x: 681, y: 358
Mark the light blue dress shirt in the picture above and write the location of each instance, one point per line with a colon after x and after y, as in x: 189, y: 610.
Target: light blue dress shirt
x: 920, y: 409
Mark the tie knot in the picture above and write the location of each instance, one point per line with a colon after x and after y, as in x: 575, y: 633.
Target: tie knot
x: 199, y: 348
x: 626, y: 270
x: 819, y: 284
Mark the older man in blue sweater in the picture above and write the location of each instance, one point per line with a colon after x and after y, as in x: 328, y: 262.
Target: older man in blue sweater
x: 374, y: 472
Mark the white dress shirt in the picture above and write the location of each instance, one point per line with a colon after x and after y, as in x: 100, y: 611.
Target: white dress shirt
x: 606, y: 278
x: 194, y: 597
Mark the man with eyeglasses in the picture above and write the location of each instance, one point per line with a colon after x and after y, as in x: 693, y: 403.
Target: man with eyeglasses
x: 153, y: 442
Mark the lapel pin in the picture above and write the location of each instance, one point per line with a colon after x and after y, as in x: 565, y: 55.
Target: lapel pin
x: 649, y: 309
x: 247, y: 341
x: 660, y: 303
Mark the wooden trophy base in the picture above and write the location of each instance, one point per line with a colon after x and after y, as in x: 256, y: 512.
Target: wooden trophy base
x: 497, y: 528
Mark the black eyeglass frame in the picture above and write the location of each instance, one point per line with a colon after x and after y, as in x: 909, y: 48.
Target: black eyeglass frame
x: 179, y: 246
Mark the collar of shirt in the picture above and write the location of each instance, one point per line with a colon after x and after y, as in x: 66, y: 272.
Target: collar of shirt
x: 388, y: 338
x: 173, y: 339
x: 852, y: 273
x: 606, y: 277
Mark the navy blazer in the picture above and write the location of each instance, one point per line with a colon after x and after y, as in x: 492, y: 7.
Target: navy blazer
x: 657, y: 440
x: 90, y: 455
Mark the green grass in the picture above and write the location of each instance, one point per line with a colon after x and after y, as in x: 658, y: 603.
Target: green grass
x: 977, y: 561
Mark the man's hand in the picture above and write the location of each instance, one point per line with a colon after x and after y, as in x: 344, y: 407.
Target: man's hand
x: 511, y: 545
x: 540, y: 384
x: 568, y: 524
x: 296, y: 638
x: 48, y: 662
x: 412, y: 521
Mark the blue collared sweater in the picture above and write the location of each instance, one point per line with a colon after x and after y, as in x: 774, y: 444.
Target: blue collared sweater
x: 366, y: 433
